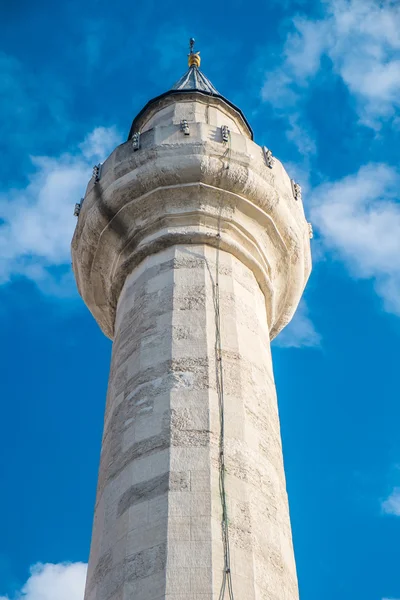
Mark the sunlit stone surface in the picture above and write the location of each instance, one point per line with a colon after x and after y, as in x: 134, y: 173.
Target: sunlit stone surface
x: 172, y: 232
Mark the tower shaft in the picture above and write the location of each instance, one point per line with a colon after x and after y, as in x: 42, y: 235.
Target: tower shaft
x: 158, y: 521
x: 191, y: 251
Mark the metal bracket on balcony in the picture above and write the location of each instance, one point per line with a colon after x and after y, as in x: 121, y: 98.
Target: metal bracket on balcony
x: 296, y: 189
x: 136, y: 141
x: 225, y: 133
x: 185, y: 127
x: 269, y: 159
x: 97, y: 172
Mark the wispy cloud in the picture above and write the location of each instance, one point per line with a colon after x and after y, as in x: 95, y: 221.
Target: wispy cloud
x: 36, y: 222
x: 358, y: 218
x: 64, y: 581
x: 361, y: 39
x: 100, y: 142
x: 300, y: 332
x: 391, y: 506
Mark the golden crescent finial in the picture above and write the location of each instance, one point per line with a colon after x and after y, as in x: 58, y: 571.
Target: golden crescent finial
x: 193, y: 57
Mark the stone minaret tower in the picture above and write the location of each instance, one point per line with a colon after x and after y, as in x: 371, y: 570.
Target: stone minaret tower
x: 191, y: 251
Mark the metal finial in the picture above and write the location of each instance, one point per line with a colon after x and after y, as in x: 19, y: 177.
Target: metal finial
x: 194, y: 57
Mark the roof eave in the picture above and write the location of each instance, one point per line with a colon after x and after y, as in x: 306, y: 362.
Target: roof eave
x: 133, y: 128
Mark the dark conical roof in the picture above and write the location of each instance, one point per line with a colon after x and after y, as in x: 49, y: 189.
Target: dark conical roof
x: 195, y: 80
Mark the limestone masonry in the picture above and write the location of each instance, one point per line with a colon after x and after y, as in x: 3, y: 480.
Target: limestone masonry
x: 192, y: 252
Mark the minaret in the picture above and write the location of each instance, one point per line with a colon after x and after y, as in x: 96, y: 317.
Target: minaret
x: 191, y: 251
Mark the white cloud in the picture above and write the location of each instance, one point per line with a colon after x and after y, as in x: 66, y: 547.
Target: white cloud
x: 64, y: 581
x: 391, y: 506
x: 37, y: 222
x: 100, y: 142
x: 278, y: 89
x: 361, y: 39
x: 358, y: 218
x: 300, y: 332
x: 305, y: 46
x: 300, y: 136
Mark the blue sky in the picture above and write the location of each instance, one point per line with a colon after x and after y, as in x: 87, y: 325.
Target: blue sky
x: 320, y: 84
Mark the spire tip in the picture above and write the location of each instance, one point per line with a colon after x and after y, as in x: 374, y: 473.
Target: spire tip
x: 194, y: 57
